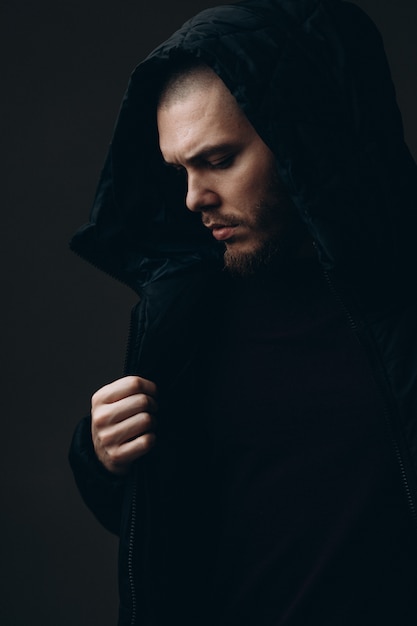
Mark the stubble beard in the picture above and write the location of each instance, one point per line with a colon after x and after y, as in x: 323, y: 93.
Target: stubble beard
x: 245, y: 264
x: 274, y: 223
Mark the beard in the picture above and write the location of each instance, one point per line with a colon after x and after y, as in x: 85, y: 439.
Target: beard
x: 245, y: 264
x: 278, y: 234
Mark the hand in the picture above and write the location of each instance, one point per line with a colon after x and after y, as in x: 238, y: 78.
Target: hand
x: 123, y: 422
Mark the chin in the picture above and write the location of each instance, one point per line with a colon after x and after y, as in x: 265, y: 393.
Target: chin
x: 244, y: 263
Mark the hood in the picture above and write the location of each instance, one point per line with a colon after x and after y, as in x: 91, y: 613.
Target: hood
x: 312, y: 78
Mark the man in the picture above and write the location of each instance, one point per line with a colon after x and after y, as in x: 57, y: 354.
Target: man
x: 258, y: 458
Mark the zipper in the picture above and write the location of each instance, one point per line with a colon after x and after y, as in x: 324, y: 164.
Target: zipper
x: 382, y: 384
x: 134, y: 486
x: 147, y: 612
x: 133, y: 516
x: 130, y: 557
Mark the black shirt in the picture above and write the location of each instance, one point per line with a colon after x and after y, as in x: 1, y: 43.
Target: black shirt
x: 313, y: 526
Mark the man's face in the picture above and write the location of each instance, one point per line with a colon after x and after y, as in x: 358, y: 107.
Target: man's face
x: 231, y: 174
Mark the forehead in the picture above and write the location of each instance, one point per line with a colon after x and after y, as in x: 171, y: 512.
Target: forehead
x: 209, y: 114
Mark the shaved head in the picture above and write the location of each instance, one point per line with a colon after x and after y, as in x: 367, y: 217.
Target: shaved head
x: 187, y: 79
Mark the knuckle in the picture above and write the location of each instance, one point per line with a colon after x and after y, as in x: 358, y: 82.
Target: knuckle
x: 147, y: 441
x: 134, y: 384
x: 99, y: 417
x: 146, y: 420
x: 95, y: 399
x: 100, y: 440
x: 104, y: 439
x: 139, y: 385
x: 145, y: 402
x: 114, y: 456
x: 99, y: 397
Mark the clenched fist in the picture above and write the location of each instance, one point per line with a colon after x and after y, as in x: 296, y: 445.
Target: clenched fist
x: 123, y: 422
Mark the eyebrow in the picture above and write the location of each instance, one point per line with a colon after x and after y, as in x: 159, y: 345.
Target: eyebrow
x: 206, y: 152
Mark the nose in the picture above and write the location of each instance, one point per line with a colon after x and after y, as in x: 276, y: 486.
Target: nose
x: 199, y: 195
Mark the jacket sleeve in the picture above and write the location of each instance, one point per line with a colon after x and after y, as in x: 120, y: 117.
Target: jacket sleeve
x: 101, y: 491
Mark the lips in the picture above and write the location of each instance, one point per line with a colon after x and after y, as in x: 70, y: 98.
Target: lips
x: 222, y: 232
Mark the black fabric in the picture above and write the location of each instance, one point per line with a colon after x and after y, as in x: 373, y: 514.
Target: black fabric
x: 312, y: 77
x: 92, y: 478
x: 308, y: 484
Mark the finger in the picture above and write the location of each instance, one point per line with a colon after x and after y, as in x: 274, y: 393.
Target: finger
x: 122, y: 388
x: 106, y: 414
x: 132, y: 450
x: 125, y: 431
x: 118, y: 458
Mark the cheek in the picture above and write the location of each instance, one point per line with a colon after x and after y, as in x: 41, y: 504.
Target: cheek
x: 250, y: 187
x: 261, y: 175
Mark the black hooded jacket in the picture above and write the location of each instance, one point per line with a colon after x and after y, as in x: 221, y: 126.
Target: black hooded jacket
x: 312, y: 78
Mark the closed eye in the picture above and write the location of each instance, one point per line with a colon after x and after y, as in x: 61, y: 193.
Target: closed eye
x: 222, y: 164
x: 178, y: 169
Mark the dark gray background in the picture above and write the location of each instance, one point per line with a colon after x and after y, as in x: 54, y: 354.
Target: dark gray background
x: 65, y: 65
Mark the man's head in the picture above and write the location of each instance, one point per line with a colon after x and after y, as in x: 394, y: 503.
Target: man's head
x: 231, y: 173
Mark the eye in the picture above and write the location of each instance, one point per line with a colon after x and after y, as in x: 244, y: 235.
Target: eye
x: 177, y: 170
x: 223, y: 163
